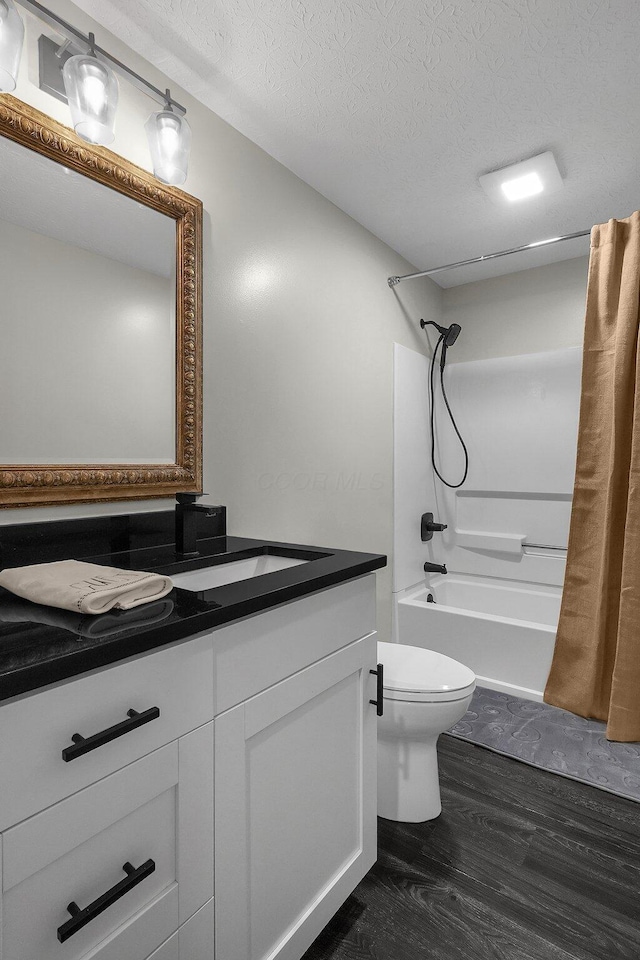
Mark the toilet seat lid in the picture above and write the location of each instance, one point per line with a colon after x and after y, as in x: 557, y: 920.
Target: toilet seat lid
x: 412, y: 670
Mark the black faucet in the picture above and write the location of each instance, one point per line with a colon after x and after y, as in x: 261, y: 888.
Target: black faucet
x: 434, y: 567
x: 187, y: 511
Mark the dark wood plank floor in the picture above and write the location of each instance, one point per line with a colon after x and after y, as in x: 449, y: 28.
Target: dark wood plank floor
x: 521, y: 865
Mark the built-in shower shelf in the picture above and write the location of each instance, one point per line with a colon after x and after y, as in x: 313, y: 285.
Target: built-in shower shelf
x: 514, y: 543
x: 484, y: 540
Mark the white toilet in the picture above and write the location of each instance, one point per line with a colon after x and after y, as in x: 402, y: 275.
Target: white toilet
x: 425, y: 693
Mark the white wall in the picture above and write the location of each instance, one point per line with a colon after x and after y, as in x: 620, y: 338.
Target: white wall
x: 299, y: 327
x: 526, y: 312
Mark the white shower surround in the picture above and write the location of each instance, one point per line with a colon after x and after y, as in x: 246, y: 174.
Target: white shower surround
x: 497, y: 609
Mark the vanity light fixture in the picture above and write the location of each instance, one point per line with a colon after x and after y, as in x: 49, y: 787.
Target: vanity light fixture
x: 522, y: 180
x: 87, y: 81
x: 11, y: 40
x: 92, y: 94
x: 169, y: 137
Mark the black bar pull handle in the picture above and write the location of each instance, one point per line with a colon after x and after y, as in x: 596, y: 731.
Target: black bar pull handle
x: 80, y: 918
x: 379, y: 702
x: 82, y: 745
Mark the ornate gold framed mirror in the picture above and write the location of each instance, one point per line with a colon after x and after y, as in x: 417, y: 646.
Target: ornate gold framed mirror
x: 100, y: 320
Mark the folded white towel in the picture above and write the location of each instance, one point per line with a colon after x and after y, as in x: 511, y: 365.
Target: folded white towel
x: 84, y: 587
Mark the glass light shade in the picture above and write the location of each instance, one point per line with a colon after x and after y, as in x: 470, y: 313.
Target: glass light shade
x: 11, y: 39
x: 169, y: 137
x: 92, y: 92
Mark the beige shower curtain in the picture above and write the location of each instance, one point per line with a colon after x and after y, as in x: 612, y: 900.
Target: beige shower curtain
x: 596, y: 663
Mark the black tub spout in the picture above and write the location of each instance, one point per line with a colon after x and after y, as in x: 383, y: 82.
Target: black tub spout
x: 434, y: 567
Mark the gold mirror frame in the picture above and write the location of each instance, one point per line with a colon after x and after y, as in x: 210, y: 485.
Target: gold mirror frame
x: 28, y: 485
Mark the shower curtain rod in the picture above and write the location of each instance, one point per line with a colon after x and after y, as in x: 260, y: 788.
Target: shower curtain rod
x: 392, y: 281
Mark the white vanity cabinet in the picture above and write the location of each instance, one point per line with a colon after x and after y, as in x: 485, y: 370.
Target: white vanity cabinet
x: 264, y: 728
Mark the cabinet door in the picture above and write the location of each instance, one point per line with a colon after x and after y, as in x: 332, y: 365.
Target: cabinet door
x: 295, y: 805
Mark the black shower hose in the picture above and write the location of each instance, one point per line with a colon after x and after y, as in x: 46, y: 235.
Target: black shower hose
x: 443, y: 360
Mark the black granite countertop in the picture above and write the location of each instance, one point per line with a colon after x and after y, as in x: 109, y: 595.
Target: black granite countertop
x: 41, y: 645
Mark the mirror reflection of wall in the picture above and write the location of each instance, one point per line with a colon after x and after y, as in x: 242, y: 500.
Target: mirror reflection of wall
x: 87, y: 319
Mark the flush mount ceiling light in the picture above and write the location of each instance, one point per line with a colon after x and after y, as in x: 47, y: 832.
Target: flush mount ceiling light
x: 11, y: 39
x: 521, y: 187
x: 85, y: 77
x: 522, y: 180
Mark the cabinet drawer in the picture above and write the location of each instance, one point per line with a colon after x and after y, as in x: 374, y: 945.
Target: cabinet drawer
x: 255, y: 653
x: 75, y: 852
x: 36, y: 729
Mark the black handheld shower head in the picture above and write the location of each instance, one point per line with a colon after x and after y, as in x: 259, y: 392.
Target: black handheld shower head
x: 450, y: 334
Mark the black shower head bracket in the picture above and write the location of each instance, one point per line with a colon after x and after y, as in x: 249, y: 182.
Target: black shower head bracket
x: 450, y: 334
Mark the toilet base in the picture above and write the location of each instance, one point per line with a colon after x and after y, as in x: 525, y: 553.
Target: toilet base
x: 408, y: 786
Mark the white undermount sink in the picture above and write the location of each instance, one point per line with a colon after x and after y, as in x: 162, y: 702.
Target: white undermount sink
x: 232, y: 571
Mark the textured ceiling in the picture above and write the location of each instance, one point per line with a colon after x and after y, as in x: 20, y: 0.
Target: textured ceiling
x: 392, y: 108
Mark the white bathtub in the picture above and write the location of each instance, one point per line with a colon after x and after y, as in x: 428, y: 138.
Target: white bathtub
x: 503, y: 630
